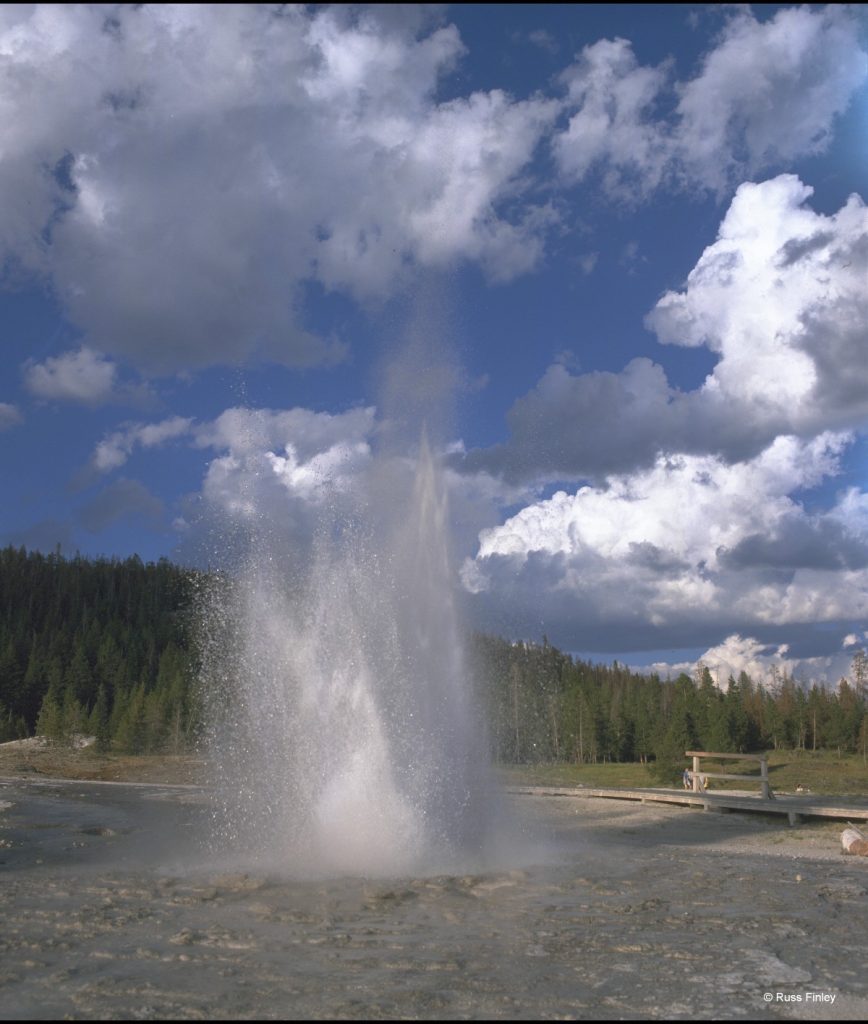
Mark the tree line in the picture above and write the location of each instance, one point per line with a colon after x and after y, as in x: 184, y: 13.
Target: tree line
x: 99, y: 647
x: 107, y: 647
x: 544, y: 706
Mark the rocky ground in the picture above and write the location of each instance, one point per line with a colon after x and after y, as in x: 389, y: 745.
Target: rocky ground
x: 114, y: 907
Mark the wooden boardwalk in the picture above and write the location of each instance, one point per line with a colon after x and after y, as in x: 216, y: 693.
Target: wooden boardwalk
x: 794, y: 807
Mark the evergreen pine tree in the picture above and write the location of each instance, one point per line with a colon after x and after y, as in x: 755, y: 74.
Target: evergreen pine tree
x: 50, y: 721
x: 98, y: 724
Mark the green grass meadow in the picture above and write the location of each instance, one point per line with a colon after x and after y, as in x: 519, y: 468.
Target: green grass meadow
x: 820, y: 772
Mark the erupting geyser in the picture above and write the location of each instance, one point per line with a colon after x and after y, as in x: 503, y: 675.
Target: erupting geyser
x: 343, y: 731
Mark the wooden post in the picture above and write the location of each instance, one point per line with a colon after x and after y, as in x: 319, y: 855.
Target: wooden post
x: 696, y: 784
x: 764, y: 778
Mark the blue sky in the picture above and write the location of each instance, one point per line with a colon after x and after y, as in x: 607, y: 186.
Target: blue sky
x: 620, y: 253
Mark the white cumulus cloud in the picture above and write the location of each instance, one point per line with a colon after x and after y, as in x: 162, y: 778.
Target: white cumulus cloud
x: 614, y: 124
x: 114, y: 450
x: 766, y: 663
x: 779, y: 298
x: 181, y: 173
x: 280, y: 465
x: 768, y: 92
x: 82, y: 376
x: 10, y: 415
x: 689, y: 547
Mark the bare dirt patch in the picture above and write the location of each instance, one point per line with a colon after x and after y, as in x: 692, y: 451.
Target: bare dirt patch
x: 28, y: 760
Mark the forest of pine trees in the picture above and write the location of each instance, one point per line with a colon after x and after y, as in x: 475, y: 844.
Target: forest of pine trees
x: 98, y: 647
x: 106, y: 648
x: 544, y: 706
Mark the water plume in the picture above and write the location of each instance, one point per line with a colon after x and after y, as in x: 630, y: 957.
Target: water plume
x: 343, y: 732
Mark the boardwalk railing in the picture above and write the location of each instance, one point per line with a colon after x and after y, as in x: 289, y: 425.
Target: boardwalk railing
x: 697, y: 775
